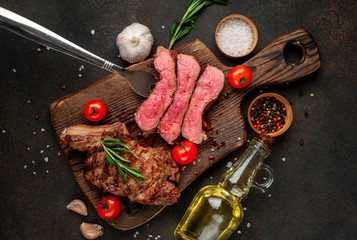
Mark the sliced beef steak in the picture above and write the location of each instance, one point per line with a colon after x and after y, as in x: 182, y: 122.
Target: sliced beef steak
x: 207, y: 90
x: 151, y: 110
x: 156, y: 164
x: 188, y: 71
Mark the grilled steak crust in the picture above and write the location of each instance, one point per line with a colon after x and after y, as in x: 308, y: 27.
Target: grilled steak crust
x: 208, y: 88
x: 151, y: 110
x: 188, y: 70
x: 156, y: 164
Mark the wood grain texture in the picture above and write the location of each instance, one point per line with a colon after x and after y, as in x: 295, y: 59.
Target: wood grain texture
x: 225, y: 124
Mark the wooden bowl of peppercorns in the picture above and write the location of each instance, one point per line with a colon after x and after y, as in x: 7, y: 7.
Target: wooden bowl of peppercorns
x: 270, y: 113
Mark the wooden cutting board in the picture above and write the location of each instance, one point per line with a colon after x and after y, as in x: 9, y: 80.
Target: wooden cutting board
x: 225, y: 125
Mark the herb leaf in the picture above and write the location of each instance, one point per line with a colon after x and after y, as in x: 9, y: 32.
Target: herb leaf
x: 178, y: 30
x: 110, y: 147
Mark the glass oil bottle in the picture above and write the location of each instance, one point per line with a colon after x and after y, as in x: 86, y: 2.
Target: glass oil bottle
x: 216, y: 211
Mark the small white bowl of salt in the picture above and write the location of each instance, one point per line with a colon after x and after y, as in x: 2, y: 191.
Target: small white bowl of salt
x: 236, y: 36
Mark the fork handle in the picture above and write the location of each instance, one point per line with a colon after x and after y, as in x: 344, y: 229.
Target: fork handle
x: 35, y: 32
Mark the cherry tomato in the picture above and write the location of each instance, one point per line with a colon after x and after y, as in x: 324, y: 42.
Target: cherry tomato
x: 185, y: 152
x: 109, y: 207
x: 240, y: 76
x: 95, y: 110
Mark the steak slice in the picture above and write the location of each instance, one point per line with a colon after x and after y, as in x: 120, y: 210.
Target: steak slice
x: 207, y: 90
x: 156, y: 164
x: 151, y: 110
x: 188, y: 71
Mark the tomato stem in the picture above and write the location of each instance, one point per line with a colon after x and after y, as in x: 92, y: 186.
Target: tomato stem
x: 94, y: 110
x: 243, y: 80
x: 181, y: 145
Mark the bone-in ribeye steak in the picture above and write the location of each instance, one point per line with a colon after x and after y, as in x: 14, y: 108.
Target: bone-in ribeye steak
x: 156, y: 164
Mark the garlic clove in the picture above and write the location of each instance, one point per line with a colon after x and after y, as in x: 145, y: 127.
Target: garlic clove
x: 78, y: 206
x: 135, y: 43
x: 91, y: 230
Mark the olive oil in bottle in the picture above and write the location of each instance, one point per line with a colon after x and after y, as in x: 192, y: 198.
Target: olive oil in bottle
x: 216, y: 211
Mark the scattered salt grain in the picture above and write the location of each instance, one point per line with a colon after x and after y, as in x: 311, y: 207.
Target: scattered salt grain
x: 239, y: 138
x: 80, y: 75
x: 261, y: 91
x: 283, y: 159
x: 229, y: 164
x: 212, y: 149
x: 47, y: 146
x: 234, y: 37
x: 14, y: 70
x: 33, y: 162
x: 210, y: 177
x: 269, y: 195
x: 28, y: 149
x: 137, y: 232
x: 248, y: 225
x: 118, y: 56
x: 47, y: 171
x: 162, y: 27
x: 235, y: 159
x: 46, y: 159
x: 239, y: 231
x: 59, y: 153
x: 194, y: 162
x: 150, y: 236
x: 245, y: 209
x: 42, y: 129
x: 25, y: 166
x: 41, y: 151
x: 199, y: 160
x: 264, y: 178
x: 34, y: 132
x: 3, y: 131
x: 28, y: 101
x: 311, y: 94
x: 92, y: 32
x: 34, y: 173
x: 248, y: 140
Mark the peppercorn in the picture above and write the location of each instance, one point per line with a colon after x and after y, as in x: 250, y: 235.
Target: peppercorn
x: 301, y: 142
x: 268, y: 114
x: 37, y: 117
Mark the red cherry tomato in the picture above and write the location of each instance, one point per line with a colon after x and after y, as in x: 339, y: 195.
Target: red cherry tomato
x: 109, y: 207
x: 185, y: 152
x: 95, y: 110
x: 240, y: 76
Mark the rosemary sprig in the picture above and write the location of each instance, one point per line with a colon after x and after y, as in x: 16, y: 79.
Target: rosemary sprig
x: 178, y: 29
x: 111, y: 146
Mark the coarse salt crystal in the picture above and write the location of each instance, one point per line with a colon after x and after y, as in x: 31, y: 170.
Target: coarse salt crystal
x: 41, y: 151
x: 3, y: 131
x: 28, y: 101
x: 47, y: 146
x: 235, y: 159
x: 25, y: 166
x: 248, y: 225
x: 269, y: 195
x: 14, y: 70
x: 59, y: 153
x: 239, y: 138
x: 245, y: 209
x: 92, y: 32
x: 34, y: 173
x: 46, y: 159
x: 162, y: 27
x: 28, y: 149
x: 210, y: 177
x: 283, y: 159
x: 42, y: 129
x: 311, y: 94
x: 80, y: 75
x: 234, y: 37
x: 229, y: 164
x: 47, y: 171
x: 212, y: 149
x: 33, y: 162
x: 34, y: 132
x: 194, y: 162
x: 239, y: 231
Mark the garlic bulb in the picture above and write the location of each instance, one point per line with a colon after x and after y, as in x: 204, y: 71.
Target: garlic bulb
x: 135, y: 42
x: 91, y: 230
x: 78, y: 206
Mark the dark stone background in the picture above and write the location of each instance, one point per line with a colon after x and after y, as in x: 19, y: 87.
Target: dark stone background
x: 314, y: 195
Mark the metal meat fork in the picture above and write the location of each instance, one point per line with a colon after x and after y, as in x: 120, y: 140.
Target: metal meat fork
x: 139, y: 81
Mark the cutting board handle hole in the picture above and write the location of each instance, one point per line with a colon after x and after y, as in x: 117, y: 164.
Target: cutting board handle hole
x: 294, y: 53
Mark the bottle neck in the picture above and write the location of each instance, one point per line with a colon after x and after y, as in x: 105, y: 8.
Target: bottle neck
x: 239, y: 178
